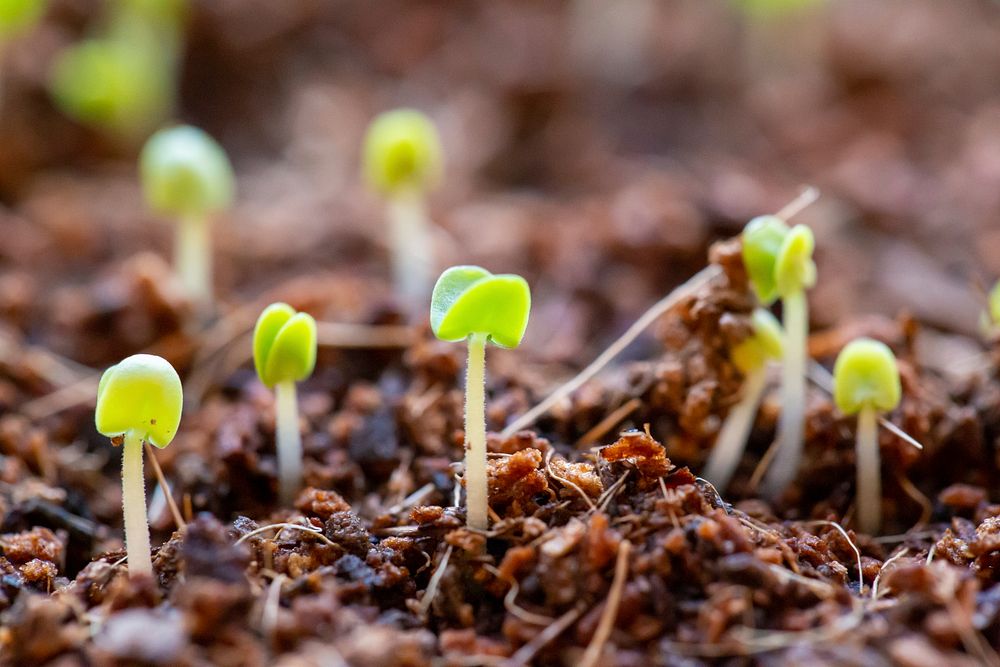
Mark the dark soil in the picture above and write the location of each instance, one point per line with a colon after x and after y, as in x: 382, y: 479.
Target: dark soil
x: 605, y: 548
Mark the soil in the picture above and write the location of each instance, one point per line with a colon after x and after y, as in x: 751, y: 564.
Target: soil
x: 605, y: 192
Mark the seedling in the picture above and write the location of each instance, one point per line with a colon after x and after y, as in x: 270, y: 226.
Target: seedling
x: 16, y: 16
x: 403, y: 160
x: 470, y: 303
x: 186, y: 174
x: 865, y: 383
x: 751, y: 357
x: 138, y: 400
x: 284, y: 352
x: 989, y: 320
x: 779, y: 263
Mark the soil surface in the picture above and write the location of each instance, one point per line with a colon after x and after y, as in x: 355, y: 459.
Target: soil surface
x: 607, y: 157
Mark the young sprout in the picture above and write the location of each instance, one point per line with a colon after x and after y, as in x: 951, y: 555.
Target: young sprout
x: 138, y: 400
x: 865, y: 383
x: 751, y: 357
x: 403, y: 160
x: 16, y: 16
x: 186, y: 174
x: 779, y: 263
x: 470, y: 303
x: 284, y: 352
x: 989, y: 319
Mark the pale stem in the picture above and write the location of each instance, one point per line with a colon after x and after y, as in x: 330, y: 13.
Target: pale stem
x: 732, y: 440
x: 412, y: 248
x: 868, y: 495
x: 289, y: 441
x: 791, y: 426
x: 193, y: 258
x: 475, y: 434
x: 134, y: 507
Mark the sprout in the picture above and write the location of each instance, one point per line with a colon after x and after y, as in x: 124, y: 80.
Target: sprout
x: 751, y: 357
x: 470, y: 303
x: 403, y: 160
x: 186, y: 174
x: 284, y: 352
x: 779, y: 263
x: 989, y: 319
x: 866, y: 382
x: 19, y: 15
x: 138, y: 400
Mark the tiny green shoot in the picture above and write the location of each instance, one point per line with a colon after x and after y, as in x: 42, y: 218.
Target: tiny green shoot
x: 139, y: 399
x: 403, y: 161
x: 751, y: 357
x: 187, y: 175
x: 470, y: 303
x: 284, y: 352
x: 866, y: 383
x: 16, y: 16
x: 989, y: 320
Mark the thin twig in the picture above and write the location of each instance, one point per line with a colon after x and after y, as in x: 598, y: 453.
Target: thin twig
x: 696, y: 282
x: 610, y: 613
x: 606, y: 424
x: 269, y: 615
x: 509, y: 600
x: 432, y: 585
x: 167, y: 493
x: 315, y: 532
x: 857, y: 552
x: 572, y: 485
x: 890, y: 560
x: 803, y: 200
x: 412, y: 499
x: 524, y: 655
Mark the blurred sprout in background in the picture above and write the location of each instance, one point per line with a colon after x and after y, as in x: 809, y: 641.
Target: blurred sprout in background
x: 16, y: 16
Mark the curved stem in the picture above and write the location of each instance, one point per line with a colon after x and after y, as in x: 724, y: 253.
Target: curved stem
x: 412, y: 249
x: 476, y: 483
x: 868, y: 495
x: 134, y: 507
x: 193, y: 259
x: 732, y: 440
x: 289, y: 441
x: 791, y: 424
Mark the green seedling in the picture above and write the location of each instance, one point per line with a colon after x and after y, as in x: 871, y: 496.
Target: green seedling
x: 470, y: 303
x: 751, y: 357
x: 138, y: 400
x: 779, y: 263
x: 866, y: 383
x: 17, y: 16
x: 187, y: 175
x: 403, y: 161
x: 284, y: 352
x: 989, y: 319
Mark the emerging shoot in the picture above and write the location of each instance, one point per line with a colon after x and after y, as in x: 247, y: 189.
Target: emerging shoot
x: 751, y: 357
x: 470, y: 303
x: 402, y: 161
x: 138, y: 400
x: 989, y: 321
x: 284, y: 352
x: 186, y: 174
x: 866, y: 383
x: 779, y: 262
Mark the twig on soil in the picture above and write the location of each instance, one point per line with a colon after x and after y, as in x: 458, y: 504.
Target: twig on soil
x: 435, y: 582
x: 926, y: 508
x: 572, y: 485
x: 857, y: 552
x: 802, y: 201
x: 167, y: 492
x: 269, y: 615
x: 524, y: 655
x: 63, y: 398
x: 509, y: 600
x: 888, y: 561
x: 315, y: 532
x: 696, y: 282
x: 611, y: 492
x: 412, y: 499
x: 610, y: 613
x: 606, y: 424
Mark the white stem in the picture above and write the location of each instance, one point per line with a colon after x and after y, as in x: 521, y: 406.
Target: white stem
x: 868, y: 495
x: 193, y: 259
x: 412, y: 249
x: 476, y: 483
x: 732, y: 440
x: 289, y: 441
x: 791, y: 424
x: 134, y: 507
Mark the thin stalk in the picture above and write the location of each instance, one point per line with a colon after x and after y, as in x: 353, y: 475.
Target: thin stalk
x: 476, y: 500
x: 193, y: 258
x: 791, y: 424
x: 732, y: 440
x: 289, y: 441
x: 134, y: 507
x: 868, y: 495
x: 411, y: 247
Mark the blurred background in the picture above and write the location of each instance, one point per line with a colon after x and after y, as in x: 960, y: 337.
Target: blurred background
x: 597, y: 147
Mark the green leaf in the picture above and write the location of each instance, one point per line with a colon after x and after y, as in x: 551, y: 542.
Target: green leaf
x: 284, y: 345
x: 142, y: 393
x: 762, y: 240
x: 186, y: 173
x: 19, y: 15
x: 763, y: 344
x: 402, y: 152
x: 866, y: 374
x: 794, y: 269
x: 470, y: 299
